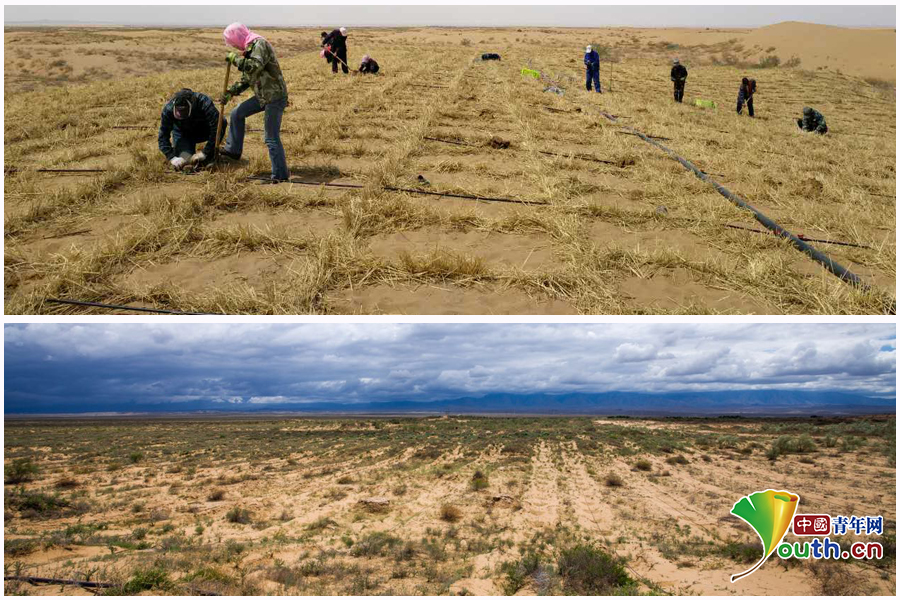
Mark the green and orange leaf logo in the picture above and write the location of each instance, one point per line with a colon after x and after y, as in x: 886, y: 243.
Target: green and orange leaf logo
x: 769, y: 513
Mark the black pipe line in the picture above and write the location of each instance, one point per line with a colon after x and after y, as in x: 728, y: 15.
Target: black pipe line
x: 85, y: 584
x: 39, y: 580
x: 802, y: 237
x: 120, y: 307
x: 837, y: 269
x: 409, y: 191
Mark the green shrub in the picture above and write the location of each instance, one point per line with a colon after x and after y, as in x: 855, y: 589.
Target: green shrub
x: 589, y: 571
x: 147, y: 579
x: 38, y: 504
x: 20, y: 470
x: 479, y: 481
x: 377, y: 543
x: 135, y: 457
x: 518, y: 572
x: 613, y: 480
x: 786, y: 444
x: 19, y: 547
x: 769, y: 62
x: 238, y: 515
x: 741, y: 552
x: 643, y: 465
x: 677, y: 460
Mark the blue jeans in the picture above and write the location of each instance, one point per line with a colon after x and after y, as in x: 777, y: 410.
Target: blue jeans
x: 272, y: 122
x: 593, y: 75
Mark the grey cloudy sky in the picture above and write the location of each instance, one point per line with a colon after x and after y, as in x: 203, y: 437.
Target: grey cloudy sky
x: 89, y: 366
x: 482, y: 16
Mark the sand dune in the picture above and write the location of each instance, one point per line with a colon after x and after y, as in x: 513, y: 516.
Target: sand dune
x: 858, y: 52
x: 863, y: 52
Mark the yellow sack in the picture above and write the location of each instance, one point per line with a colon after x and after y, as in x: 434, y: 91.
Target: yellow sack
x: 705, y: 103
x: 531, y: 73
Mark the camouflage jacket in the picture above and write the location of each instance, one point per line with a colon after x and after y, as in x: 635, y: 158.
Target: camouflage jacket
x: 261, y: 72
x: 814, y: 123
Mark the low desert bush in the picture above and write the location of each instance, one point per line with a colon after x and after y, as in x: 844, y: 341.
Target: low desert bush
x: 20, y: 470
x: 450, y: 513
x: 586, y: 570
x: 613, y: 480
x: 643, y: 465
x: 238, y: 515
x: 479, y: 481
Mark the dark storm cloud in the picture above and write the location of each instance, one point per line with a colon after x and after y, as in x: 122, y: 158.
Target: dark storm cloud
x: 97, y: 367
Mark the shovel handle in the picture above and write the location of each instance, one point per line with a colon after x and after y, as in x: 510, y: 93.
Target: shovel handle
x: 222, y: 110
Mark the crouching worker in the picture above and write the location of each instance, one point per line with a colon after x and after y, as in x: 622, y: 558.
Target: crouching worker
x: 745, y: 94
x: 812, y: 121
x: 188, y: 119
x: 262, y: 73
x: 368, y: 65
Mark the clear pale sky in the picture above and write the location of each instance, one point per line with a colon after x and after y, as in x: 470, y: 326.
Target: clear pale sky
x: 483, y: 16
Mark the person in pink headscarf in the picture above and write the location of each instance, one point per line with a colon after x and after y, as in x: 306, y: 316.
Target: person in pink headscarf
x: 261, y: 72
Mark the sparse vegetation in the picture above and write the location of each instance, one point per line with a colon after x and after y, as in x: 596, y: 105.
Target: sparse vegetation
x: 216, y: 242
x: 553, y: 510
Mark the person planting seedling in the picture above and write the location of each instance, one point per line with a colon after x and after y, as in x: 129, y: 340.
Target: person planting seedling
x: 679, y: 77
x: 188, y: 119
x: 261, y: 72
x: 812, y: 121
x: 368, y: 65
x: 745, y: 94
x: 335, y: 44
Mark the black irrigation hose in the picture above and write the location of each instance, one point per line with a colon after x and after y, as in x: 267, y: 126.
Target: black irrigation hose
x: 652, y: 137
x: 40, y: 580
x: 9, y: 170
x: 431, y: 139
x: 160, y: 311
x: 85, y: 584
x: 802, y: 237
x: 408, y: 191
x: 837, y: 269
x: 578, y: 156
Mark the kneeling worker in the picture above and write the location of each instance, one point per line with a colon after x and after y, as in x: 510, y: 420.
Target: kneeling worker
x: 813, y: 121
x: 188, y: 119
x: 368, y: 65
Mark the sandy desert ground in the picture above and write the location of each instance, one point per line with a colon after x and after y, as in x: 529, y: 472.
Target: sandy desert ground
x: 635, y: 234
x: 434, y: 505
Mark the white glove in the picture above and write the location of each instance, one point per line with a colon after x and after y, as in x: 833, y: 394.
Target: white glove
x: 198, y: 158
x: 177, y: 162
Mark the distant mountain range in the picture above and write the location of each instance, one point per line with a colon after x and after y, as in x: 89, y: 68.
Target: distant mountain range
x: 740, y: 402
